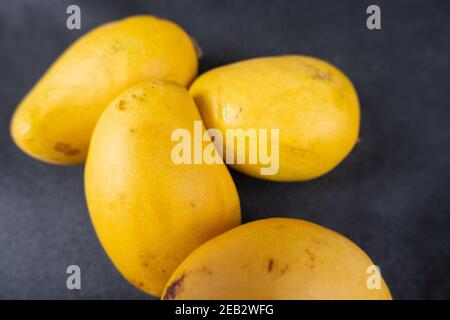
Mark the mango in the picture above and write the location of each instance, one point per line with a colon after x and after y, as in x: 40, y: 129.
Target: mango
x: 277, y: 258
x: 150, y: 213
x: 54, y: 122
x: 312, y: 104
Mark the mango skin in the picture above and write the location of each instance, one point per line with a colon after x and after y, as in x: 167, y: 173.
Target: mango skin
x: 277, y: 258
x: 149, y: 213
x: 54, y: 122
x: 313, y: 104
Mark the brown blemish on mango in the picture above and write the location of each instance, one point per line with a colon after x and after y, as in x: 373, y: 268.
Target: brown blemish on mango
x: 325, y: 76
x: 298, y: 151
x: 317, y: 73
x: 136, y: 283
x: 140, y: 97
x: 311, y: 255
x: 312, y: 258
x: 284, y: 269
x: 206, y: 270
x: 270, y: 265
x: 66, y: 149
x: 121, y: 105
x: 174, y: 288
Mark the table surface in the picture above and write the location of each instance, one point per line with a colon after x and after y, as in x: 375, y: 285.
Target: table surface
x: 390, y: 196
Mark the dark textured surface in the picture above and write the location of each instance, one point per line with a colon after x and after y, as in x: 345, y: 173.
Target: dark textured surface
x: 390, y: 196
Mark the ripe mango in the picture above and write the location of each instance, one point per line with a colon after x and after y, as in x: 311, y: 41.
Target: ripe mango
x: 312, y: 104
x: 150, y: 213
x: 277, y: 258
x: 54, y: 122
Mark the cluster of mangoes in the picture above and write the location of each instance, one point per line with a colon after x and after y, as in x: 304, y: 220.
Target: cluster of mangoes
x: 113, y: 99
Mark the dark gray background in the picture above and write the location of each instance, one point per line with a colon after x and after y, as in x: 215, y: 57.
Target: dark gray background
x: 390, y: 195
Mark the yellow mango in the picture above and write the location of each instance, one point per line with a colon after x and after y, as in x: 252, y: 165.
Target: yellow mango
x: 312, y: 104
x: 150, y: 213
x: 277, y: 258
x: 54, y: 122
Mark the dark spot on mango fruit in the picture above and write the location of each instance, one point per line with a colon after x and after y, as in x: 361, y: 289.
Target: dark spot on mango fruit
x: 140, y: 97
x: 311, y: 255
x: 270, y: 265
x: 206, y: 270
x: 121, y: 105
x: 66, y: 149
x: 325, y: 76
x: 285, y: 268
x: 312, y: 258
x: 174, y: 288
x: 317, y: 73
